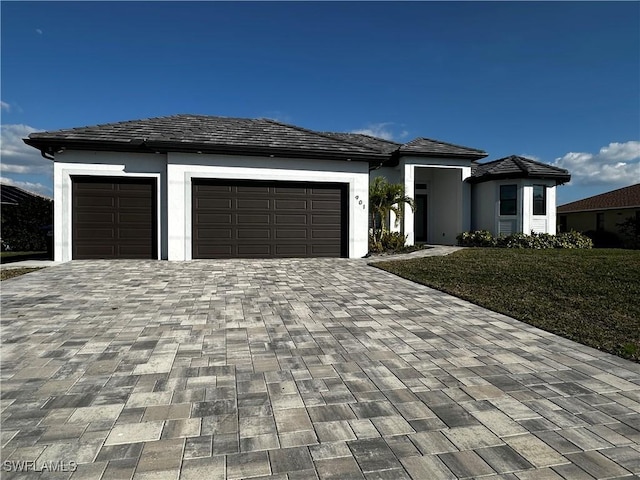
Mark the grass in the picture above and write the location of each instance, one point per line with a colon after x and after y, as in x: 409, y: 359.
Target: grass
x: 589, y: 296
x: 9, y: 257
x: 6, y: 274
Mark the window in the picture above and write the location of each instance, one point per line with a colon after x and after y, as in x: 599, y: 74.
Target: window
x: 539, y: 200
x: 508, y: 199
x: 599, y: 222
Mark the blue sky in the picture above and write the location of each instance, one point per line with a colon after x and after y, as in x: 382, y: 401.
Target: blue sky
x: 553, y: 81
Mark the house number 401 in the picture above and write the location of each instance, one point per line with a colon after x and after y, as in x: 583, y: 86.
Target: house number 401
x: 360, y: 202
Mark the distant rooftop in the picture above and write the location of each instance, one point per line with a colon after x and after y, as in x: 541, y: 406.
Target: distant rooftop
x: 626, y: 197
x: 12, y: 195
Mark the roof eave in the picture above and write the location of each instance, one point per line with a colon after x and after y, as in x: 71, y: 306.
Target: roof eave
x: 559, y: 178
x: 52, y: 146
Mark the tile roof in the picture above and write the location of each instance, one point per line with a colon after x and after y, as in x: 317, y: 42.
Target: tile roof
x: 427, y: 146
x: 12, y: 195
x: 517, y: 167
x: 626, y: 197
x: 213, y: 134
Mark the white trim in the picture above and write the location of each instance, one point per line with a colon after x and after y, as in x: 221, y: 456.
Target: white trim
x: 63, y: 206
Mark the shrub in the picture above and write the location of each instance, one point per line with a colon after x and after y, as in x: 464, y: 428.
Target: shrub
x: 479, y: 238
x: 389, y: 242
x: 483, y: 238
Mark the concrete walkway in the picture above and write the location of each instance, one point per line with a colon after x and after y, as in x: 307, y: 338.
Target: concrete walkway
x: 295, y: 369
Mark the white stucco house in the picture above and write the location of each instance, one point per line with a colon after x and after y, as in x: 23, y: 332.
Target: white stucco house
x: 191, y: 186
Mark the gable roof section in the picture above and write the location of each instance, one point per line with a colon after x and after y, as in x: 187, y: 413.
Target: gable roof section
x: 626, y: 197
x: 517, y: 167
x: 212, y: 134
x: 12, y: 195
x: 434, y: 148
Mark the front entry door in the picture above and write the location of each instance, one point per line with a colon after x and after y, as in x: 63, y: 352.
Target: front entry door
x: 421, y: 218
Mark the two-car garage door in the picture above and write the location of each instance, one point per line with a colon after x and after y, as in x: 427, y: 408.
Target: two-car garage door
x: 268, y: 219
x: 116, y: 217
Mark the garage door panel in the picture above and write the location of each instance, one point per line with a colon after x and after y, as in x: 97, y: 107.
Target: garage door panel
x: 214, y: 203
x: 253, y: 204
x: 248, y: 219
x: 294, y: 250
x: 88, y: 201
x: 268, y: 219
x: 213, y: 218
x: 324, y: 219
x: 96, y: 217
x: 289, y: 233
x: 90, y: 233
x: 254, y: 233
x: 330, y: 205
x: 287, y: 219
x: 324, y: 234
x: 292, y: 204
x: 205, y: 233
x: 253, y: 250
x: 113, y: 217
x: 252, y: 190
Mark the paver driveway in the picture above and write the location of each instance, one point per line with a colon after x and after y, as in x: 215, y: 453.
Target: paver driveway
x: 295, y: 369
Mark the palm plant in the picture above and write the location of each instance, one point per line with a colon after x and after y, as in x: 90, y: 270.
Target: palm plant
x: 385, y: 197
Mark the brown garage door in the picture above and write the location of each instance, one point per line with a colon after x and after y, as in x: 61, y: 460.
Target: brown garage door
x: 256, y: 219
x: 114, y: 218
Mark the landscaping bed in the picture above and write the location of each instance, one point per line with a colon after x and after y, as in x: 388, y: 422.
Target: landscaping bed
x: 7, y: 273
x: 589, y: 296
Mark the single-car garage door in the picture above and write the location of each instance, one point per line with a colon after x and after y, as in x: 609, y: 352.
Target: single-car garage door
x: 114, y: 218
x: 256, y: 219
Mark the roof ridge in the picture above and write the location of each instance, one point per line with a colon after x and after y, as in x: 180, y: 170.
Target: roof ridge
x: 445, y: 143
x: 365, y: 135
x: 321, y: 134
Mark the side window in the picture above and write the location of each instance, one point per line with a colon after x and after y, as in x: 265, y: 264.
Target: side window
x: 508, y: 199
x: 539, y: 200
x: 563, y: 223
x: 600, y: 222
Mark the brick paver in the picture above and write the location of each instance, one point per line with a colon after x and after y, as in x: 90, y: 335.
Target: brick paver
x: 286, y: 369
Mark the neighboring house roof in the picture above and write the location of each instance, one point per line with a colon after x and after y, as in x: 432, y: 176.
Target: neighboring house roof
x: 626, y: 197
x: 210, y: 134
x: 517, y: 167
x: 12, y: 195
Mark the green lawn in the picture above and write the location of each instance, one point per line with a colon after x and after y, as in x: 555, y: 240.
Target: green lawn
x: 9, y: 257
x: 590, y: 296
x: 6, y: 274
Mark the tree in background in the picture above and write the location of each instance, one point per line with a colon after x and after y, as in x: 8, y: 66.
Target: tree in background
x: 24, y: 225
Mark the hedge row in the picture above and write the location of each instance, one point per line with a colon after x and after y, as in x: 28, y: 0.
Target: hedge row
x: 483, y: 238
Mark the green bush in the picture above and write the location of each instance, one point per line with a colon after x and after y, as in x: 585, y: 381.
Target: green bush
x: 538, y: 241
x: 479, y: 238
x: 389, y: 242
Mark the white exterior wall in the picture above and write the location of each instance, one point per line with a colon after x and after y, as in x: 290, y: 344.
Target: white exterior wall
x: 173, y: 173
x: 448, y: 197
x: 105, y: 164
x: 486, y: 207
x: 183, y: 167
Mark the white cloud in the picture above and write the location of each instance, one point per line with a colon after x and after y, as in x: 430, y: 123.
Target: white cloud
x: 34, y: 187
x: 4, y: 106
x: 38, y: 31
x: 380, y: 130
x: 616, y: 164
x: 532, y: 157
x: 17, y: 156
